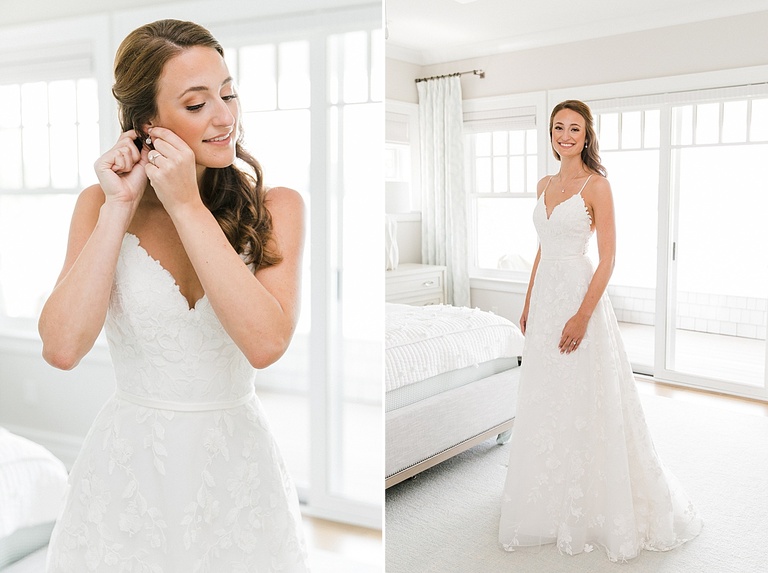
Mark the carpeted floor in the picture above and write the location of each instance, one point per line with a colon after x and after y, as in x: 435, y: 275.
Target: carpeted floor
x: 445, y: 520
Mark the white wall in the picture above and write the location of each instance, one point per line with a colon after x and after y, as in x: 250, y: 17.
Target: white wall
x: 725, y: 43
x: 722, y: 44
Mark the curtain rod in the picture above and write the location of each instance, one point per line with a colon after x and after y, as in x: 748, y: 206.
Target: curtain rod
x: 480, y: 73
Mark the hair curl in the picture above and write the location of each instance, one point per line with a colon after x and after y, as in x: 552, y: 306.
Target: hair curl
x: 590, y: 155
x: 235, y: 197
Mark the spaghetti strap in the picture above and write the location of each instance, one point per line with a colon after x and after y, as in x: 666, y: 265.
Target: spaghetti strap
x: 585, y: 184
x: 547, y: 185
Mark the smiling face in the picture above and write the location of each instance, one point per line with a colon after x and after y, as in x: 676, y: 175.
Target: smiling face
x: 196, y: 99
x: 568, y: 133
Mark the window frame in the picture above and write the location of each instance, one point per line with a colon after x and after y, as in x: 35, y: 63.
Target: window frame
x: 27, y: 54
x: 501, y: 107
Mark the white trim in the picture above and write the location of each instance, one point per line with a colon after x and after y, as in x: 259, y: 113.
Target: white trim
x: 499, y: 285
x: 662, y: 85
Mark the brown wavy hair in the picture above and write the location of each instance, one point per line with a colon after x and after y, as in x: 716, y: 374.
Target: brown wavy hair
x: 235, y: 197
x: 590, y: 155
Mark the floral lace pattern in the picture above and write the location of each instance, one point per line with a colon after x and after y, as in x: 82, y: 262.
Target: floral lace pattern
x: 165, y: 489
x: 583, y: 470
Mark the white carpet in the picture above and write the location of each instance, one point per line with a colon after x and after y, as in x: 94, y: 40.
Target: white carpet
x: 445, y: 520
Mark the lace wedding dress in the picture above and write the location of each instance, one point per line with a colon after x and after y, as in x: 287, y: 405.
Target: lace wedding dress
x: 179, y: 472
x: 583, y: 470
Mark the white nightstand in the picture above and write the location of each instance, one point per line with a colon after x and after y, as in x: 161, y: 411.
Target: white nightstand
x: 416, y: 284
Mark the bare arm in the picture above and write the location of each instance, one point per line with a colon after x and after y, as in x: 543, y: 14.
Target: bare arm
x: 259, y: 311
x: 74, y: 314
x: 600, y: 204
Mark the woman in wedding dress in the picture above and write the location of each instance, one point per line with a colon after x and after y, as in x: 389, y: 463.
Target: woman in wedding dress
x: 193, y: 267
x: 583, y: 470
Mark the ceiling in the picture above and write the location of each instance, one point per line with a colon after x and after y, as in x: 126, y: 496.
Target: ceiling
x: 427, y: 32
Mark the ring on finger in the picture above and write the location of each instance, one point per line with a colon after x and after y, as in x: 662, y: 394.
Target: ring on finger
x: 153, y: 155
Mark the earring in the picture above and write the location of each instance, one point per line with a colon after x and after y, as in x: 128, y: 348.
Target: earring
x: 149, y: 140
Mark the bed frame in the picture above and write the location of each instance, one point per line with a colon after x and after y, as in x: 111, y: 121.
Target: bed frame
x: 423, y: 434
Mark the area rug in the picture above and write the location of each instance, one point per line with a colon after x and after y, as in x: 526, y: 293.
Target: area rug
x: 445, y: 520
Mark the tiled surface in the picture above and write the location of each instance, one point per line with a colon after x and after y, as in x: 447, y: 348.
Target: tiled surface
x: 745, y: 317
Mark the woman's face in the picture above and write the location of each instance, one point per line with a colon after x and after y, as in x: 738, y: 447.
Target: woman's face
x: 568, y: 133
x: 196, y: 99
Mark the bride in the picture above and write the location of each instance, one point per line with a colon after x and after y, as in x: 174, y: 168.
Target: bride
x: 583, y: 470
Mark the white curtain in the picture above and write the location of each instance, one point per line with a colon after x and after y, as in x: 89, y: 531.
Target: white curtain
x: 443, y: 206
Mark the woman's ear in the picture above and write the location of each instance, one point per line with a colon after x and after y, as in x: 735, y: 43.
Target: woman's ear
x: 145, y: 134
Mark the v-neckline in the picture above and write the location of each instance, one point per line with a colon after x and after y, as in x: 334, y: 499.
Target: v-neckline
x: 167, y: 273
x: 547, y: 213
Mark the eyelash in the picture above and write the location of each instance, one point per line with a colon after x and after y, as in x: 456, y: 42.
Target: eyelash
x: 199, y: 106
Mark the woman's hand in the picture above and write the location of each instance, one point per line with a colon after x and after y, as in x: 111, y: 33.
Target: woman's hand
x: 121, y: 170
x: 524, y: 319
x: 172, y: 170
x: 573, y: 333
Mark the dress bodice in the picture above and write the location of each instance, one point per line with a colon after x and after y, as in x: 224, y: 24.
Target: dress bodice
x: 565, y: 233
x: 161, y: 349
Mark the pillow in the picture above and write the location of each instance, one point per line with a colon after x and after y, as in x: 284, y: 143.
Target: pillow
x: 32, y: 487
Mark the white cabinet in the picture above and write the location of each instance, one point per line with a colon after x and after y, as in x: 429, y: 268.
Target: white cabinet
x: 416, y: 284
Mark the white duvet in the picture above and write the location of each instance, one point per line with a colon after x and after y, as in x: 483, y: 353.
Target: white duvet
x: 32, y: 483
x: 425, y: 341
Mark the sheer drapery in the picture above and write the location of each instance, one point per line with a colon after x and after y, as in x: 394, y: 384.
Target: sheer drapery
x: 443, y: 215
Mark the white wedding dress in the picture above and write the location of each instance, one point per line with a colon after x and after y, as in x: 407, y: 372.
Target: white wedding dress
x: 583, y: 471
x: 179, y: 472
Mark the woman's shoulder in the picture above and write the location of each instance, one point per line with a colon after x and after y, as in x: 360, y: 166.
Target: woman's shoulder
x: 543, y: 184
x: 92, y: 195
x: 597, y: 189
x: 283, y: 198
x: 88, y: 203
x: 598, y: 181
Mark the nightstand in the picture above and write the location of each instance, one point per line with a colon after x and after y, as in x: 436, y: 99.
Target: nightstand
x: 416, y: 284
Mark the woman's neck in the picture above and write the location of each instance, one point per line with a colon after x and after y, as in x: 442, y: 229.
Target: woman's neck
x: 571, y: 168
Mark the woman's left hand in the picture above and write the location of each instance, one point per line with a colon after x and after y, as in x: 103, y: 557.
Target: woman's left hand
x: 172, y: 170
x: 573, y: 333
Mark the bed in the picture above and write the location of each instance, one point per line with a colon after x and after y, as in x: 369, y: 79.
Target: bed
x: 32, y: 486
x: 451, y: 376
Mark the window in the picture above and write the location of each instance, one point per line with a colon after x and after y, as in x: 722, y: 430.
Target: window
x: 719, y: 275
x: 401, y: 159
x: 49, y: 139
x: 681, y: 166
x: 503, y: 154
x: 312, y: 116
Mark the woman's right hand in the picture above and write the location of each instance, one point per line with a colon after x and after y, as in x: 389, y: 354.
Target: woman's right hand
x: 524, y: 319
x: 121, y: 170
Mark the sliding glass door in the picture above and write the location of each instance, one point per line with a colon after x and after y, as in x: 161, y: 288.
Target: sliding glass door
x: 629, y: 145
x: 690, y: 287
x: 717, y: 284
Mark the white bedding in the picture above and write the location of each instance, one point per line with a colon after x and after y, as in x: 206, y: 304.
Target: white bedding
x: 32, y: 484
x: 425, y: 341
